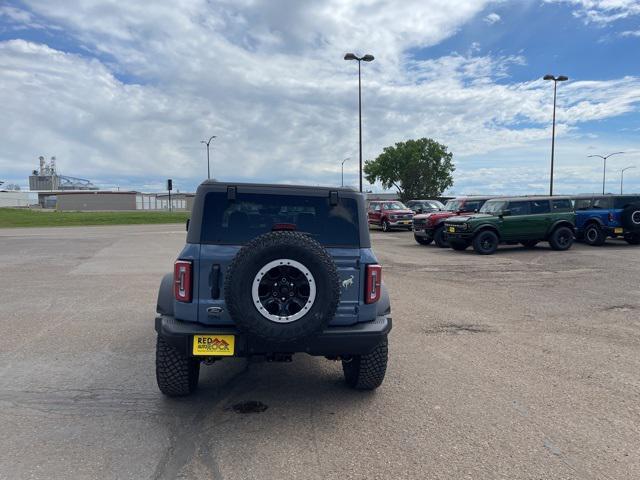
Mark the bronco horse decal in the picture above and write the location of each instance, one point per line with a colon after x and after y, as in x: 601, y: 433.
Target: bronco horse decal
x: 348, y: 282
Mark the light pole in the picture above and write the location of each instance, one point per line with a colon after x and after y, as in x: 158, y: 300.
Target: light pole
x: 604, y: 167
x: 366, y: 58
x: 208, y: 166
x: 622, y: 177
x: 561, y: 78
x: 348, y: 158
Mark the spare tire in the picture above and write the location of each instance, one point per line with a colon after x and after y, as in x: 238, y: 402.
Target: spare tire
x: 282, y: 286
x: 631, y: 217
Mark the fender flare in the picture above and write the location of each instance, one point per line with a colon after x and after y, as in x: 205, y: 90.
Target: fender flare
x: 164, y: 305
x: 487, y: 226
x: 383, y: 306
x: 562, y: 223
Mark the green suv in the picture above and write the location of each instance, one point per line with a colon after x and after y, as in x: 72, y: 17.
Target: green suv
x: 525, y: 220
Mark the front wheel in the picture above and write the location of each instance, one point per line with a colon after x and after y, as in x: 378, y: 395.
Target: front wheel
x: 176, y: 374
x: 632, y: 238
x: 561, y: 238
x: 593, y: 235
x: 366, y: 372
x: 440, y: 238
x: 459, y: 246
x: 486, y: 242
x: 423, y: 240
x: 385, y: 226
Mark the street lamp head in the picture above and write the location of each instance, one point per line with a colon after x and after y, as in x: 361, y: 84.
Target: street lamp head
x: 562, y: 78
x: 350, y: 56
x: 548, y: 77
x: 368, y: 58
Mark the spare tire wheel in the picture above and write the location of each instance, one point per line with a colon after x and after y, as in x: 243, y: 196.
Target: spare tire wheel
x: 631, y: 217
x: 282, y: 286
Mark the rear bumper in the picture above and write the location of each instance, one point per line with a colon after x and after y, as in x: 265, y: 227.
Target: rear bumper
x: 357, y: 339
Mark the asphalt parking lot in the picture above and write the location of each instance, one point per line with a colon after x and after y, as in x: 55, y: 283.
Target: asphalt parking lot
x: 521, y: 365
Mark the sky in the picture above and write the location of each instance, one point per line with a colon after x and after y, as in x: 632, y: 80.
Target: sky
x: 122, y: 93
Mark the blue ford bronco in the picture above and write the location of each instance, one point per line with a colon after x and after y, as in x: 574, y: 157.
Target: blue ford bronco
x: 601, y: 216
x: 269, y: 271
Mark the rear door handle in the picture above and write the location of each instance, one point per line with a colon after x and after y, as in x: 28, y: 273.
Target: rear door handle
x: 214, y: 281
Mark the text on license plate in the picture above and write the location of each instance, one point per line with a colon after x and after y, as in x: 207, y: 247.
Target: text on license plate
x: 219, y: 345
x: 618, y: 230
x: 452, y: 229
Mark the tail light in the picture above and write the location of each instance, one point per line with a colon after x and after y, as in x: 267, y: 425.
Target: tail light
x: 374, y: 283
x: 182, y: 280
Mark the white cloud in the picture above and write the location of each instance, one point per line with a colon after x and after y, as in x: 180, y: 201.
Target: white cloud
x: 268, y: 80
x: 492, y: 18
x: 602, y: 11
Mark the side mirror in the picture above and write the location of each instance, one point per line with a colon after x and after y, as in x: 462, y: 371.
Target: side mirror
x: 187, y: 229
x: 505, y: 213
x: 476, y: 210
x: 419, y: 210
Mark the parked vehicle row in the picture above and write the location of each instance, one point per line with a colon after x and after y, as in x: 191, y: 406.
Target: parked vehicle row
x: 514, y: 220
x: 486, y: 222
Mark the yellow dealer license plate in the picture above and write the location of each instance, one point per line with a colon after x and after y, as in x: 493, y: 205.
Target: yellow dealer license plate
x: 618, y: 230
x: 452, y: 229
x: 213, y: 345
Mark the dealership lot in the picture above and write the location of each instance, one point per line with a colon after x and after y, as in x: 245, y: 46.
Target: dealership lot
x: 524, y: 364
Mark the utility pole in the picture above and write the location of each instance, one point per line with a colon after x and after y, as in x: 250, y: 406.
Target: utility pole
x: 207, y: 142
x: 365, y: 58
x: 604, y: 167
x: 561, y: 78
x: 622, y: 177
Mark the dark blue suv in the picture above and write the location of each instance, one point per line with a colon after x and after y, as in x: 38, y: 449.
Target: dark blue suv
x: 601, y: 216
x: 269, y: 271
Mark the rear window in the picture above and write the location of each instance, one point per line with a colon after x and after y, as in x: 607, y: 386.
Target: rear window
x: 249, y: 215
x: 582, y: 203
x: 539, y: 206
x: 562, y: 205
x: 601, y: 203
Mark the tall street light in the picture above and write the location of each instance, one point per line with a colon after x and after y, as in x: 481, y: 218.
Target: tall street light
x: 560, y: 78
x: 622, y: 177
x: 366, y: 58
x: 348, y: 158
x: 604, y: 168
x: 207, y: 143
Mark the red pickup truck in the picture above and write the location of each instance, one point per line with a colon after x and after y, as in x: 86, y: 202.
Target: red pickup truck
x: 429, y: 227
x: 390, y: 214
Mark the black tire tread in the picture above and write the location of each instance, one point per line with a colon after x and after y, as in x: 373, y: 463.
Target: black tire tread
x: 176, y: 374
x: 553, y: 243
x: 366, y: 372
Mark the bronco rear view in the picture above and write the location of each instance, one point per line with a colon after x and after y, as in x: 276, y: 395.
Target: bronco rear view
x: 270, y: 271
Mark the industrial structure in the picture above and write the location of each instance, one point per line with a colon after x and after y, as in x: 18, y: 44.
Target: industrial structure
x: 48, y: 178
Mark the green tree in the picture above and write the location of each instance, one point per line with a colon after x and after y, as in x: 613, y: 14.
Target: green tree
x: 416, y: 168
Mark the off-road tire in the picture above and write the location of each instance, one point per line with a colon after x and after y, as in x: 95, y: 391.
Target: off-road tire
x: 486, y: 242
x: 631, y: 218
x: 440, y: 238
x: 561, y: 238
x: 176, y: 374
x: 423, y: 240
x: 529, y: 243
x: 386, y: 227
x: 366, y: 372
x: 632, y: 238
x: 459, y: 246
x: 255, y: 255
x: 594, y: 236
